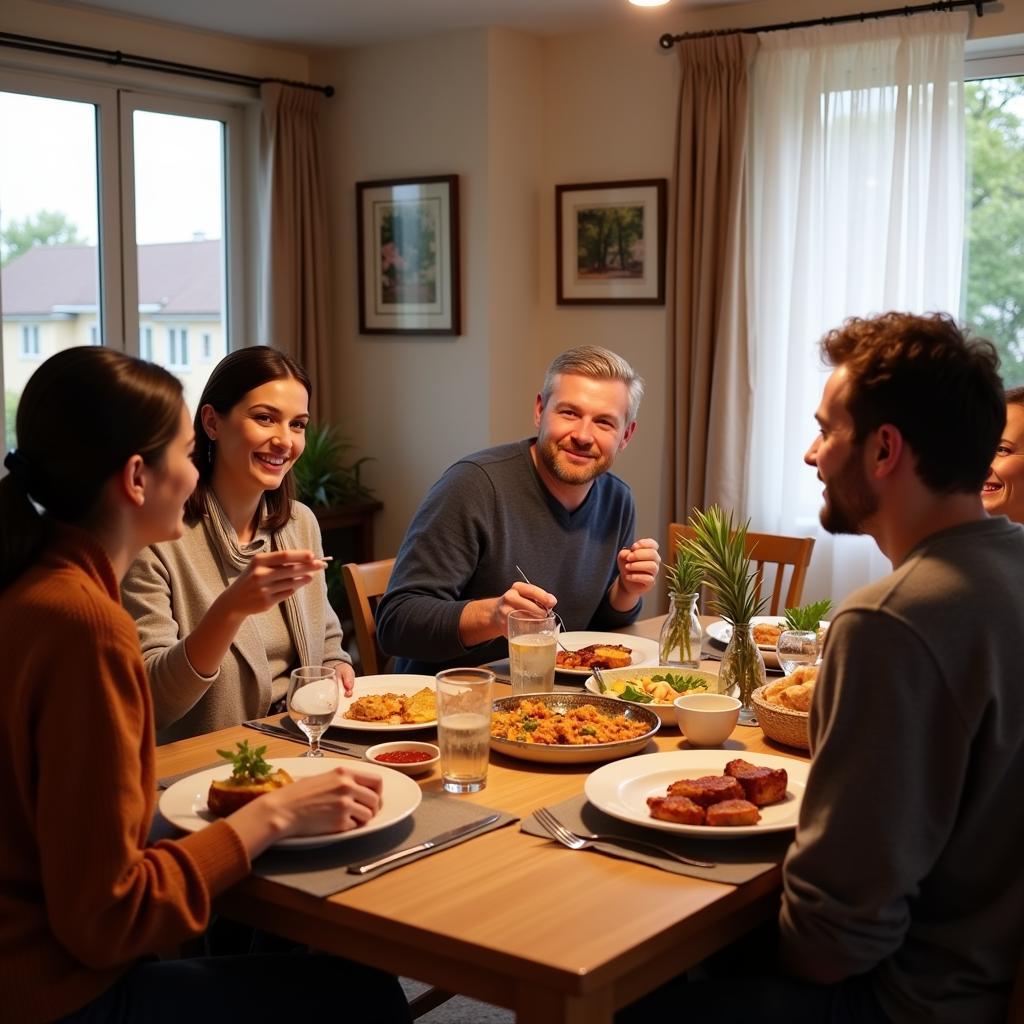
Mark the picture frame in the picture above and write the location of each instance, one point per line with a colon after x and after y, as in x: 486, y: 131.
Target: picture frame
x: 610, y: 243
x: 408, y: 255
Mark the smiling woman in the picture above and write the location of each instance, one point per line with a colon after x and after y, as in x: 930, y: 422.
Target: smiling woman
x: 1003, y: 491
x: 226, y: 612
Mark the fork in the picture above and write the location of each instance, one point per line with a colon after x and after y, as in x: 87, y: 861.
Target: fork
x: 558, y: 618
x: 563, y: 835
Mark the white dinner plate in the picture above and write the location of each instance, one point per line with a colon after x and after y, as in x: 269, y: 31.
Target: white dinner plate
x: 184, y: 803
x: 621, y: 789
x: 721, y: 631
x: 645, y: 652
x: 404, y: 685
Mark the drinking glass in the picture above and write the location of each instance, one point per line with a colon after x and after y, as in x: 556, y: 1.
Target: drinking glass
x: 464, y: 727
x: 796, y: 647
x: 313, y: 702
x: 531, y: 652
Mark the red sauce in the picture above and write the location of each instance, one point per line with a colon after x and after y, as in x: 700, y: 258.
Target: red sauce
x: 404, y: 756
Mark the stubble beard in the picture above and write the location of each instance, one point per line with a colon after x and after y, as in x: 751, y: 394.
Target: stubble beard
x: 848, y: 499
x: 573, y: 475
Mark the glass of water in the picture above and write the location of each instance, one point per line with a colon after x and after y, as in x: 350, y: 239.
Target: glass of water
x: 464, y: 727
x: 313, y: 702
x: 531, y: 652
x: 796, y: 647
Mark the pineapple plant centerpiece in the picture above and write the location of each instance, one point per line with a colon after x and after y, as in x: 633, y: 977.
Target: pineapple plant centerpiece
x: 680, y: 639
x: 719, y: 548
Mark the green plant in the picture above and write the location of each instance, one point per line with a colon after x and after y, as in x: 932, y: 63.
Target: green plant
x: 321, y: 475
x: 807, y: 616
x: 719, y: 548
x: 247, y: 763
x: 684, y: 579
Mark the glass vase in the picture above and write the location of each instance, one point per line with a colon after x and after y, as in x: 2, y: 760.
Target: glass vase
x: 679, y: 642
x: 742, y: 670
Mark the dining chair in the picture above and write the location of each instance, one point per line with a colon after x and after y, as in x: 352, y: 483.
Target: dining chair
x: 771, y: 551
x: 365, y: 584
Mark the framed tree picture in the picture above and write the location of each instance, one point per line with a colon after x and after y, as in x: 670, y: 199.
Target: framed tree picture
x: 610, y: 243
x: 408, y: 237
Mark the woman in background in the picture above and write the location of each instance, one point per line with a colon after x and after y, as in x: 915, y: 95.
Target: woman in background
x: 104, y: 450
x: 1003, y: 491
x: 228, y: 610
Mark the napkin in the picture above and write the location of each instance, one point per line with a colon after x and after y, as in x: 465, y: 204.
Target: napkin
x: 737, y: 860
x: 323, y: 870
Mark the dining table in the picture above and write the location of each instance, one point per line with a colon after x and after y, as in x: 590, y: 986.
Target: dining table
x: 558, y: 936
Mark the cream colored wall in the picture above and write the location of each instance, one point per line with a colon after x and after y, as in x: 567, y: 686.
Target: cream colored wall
x: 414, y: 403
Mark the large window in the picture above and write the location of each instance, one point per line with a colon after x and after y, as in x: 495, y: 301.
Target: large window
x: 120, y: 221
x: 993, y: 288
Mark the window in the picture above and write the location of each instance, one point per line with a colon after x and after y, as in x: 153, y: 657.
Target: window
x: 170, y: 171
x: 993, y: 283
x: 177, y: 347
x: 30, y: 341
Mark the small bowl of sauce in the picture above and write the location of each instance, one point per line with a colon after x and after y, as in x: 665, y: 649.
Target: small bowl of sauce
x: 406, y: 756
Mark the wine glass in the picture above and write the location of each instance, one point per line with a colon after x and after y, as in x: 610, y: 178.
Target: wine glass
x: 796, y: 647
x: 313, y: 701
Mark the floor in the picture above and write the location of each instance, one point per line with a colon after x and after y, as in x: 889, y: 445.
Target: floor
x: 459, y: 1010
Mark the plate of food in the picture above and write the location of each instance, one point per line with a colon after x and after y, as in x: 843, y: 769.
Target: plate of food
x: 580, y: 651
x: 654, y: 687
x: 683, y: 790
x: 187, y: 803
x: 392, y: 703
x: 569, y: 728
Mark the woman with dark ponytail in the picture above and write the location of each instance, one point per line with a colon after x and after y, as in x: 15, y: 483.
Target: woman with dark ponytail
x: 102, y: 469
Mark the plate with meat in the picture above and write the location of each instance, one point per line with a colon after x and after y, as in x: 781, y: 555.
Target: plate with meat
x: 392, y: 703
x: 580, y: 651
x: 713, y: 794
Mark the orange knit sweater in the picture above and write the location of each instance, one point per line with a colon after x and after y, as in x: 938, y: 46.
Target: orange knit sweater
x: 82, y: 897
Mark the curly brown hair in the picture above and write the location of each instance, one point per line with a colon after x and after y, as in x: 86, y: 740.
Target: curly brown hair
x: 932, y: 381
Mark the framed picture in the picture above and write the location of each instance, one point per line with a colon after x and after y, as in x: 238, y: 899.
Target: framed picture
x: 408, y: 231
x: 610, y: 243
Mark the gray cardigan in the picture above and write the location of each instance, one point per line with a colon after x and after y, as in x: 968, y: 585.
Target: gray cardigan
x: 168, y: 590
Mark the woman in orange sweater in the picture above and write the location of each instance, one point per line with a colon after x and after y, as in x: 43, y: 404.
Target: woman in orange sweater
x: 103, y: 469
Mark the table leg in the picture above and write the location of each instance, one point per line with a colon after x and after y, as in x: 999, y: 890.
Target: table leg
x: 536, y: 1005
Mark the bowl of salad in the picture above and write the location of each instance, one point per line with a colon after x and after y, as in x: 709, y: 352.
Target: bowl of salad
x: 654, y: 686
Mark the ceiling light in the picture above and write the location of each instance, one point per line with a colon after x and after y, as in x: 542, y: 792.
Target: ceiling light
x: 648, y: 3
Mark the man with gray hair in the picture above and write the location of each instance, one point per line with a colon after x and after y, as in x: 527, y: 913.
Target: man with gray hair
x: 546, y: 504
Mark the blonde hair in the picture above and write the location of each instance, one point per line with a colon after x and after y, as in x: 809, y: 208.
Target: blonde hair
x: 599, y: 364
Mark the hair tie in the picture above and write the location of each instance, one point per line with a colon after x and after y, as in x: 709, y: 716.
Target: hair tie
x: 17, y: 465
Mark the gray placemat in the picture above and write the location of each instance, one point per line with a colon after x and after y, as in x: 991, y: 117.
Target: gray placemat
x: 563, y: 683
x: 736, y: 860
x: 167, y: 781
x: 357, y: 741
x: 323, y: 871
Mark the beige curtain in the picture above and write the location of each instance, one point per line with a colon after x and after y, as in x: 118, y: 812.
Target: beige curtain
x: 712, y: 372
x: 296, y: 273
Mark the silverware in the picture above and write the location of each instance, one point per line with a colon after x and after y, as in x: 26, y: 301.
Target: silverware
x: 281, y: 733
x: 580, y: 842
x: 596, y: 673
x: 444, y: 837
x: 558, y: 618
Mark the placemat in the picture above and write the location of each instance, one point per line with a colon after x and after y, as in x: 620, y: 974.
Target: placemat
x: 166, y: 781
x: 358, y: 741
x: 323, y: 871
x: 737, y: 860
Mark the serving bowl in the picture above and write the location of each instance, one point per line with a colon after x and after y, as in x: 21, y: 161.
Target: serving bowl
x: 782, y: 724
x: 706, y: 719
x: 561, y: 703
x: 666, y: 712
x: 406, y: 768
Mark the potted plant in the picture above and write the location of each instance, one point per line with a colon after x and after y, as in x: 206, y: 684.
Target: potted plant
x: 720, y: 550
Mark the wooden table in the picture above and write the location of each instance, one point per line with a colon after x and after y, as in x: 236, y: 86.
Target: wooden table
x: 554, y: 934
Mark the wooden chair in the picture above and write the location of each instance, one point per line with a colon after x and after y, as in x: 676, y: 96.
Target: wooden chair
x: 765, y: 550
x: 365, y: 584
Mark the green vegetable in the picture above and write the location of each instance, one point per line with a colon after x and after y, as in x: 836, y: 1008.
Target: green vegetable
x: 248, y: 765
x: 530, y: 725
x: 681, y: 683
x: 587, y: 730
x: 807, y: 616
x: 637, y: 696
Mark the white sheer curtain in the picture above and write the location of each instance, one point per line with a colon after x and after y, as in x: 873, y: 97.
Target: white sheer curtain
x: 856, y: 179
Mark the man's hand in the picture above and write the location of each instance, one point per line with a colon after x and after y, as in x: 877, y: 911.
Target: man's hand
x: 638, y: 570
x: 488, y: 619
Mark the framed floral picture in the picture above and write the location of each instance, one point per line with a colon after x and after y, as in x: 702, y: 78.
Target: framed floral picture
x: 610, y: 243
x: 408, y: 237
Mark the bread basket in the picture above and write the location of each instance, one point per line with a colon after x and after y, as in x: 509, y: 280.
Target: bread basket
x: 780, y: 723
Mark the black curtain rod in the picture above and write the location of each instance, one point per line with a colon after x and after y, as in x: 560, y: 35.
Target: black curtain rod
x: 132, y: 60
x: 667, y: 41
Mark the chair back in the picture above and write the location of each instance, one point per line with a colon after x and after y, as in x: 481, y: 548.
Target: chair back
x: 780, y: 555
x: 365, y: 584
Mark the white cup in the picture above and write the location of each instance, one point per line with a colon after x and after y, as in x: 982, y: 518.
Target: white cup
x: 706, y: 719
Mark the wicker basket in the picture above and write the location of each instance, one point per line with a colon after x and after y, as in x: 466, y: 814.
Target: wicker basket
x: 781, y: 724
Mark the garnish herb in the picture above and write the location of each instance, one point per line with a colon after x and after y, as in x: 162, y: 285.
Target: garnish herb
x: 637, y: 696
x: 247, y: 763
x: 681, y: 683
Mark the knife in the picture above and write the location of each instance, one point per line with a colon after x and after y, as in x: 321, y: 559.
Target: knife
x: 444, y: 837
x: 281, y: 733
